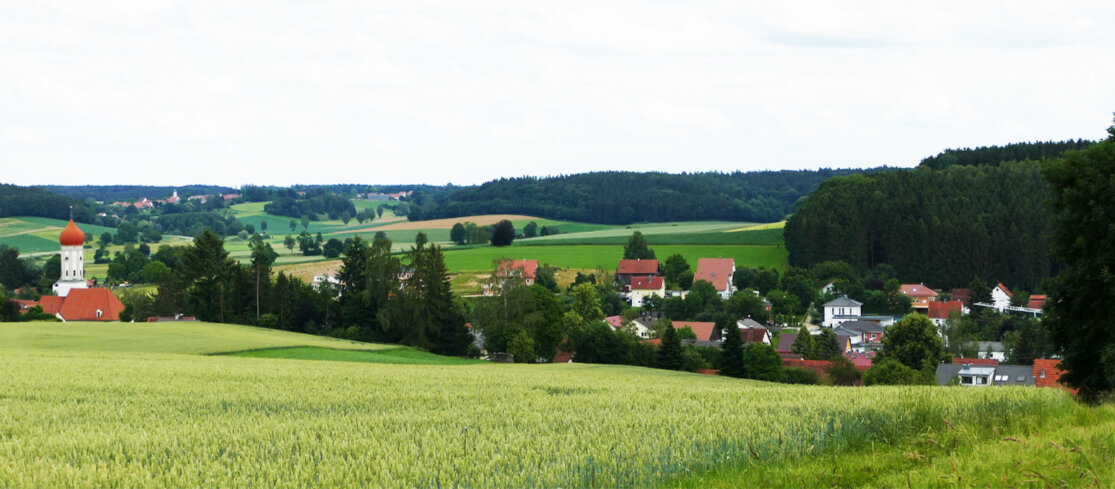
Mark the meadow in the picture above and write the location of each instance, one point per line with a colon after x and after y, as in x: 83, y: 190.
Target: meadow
x: 83, y: 412
x: 608, y: 256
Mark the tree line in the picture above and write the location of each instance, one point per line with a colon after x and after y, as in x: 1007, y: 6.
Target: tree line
x: 993, y: 155
x: 628, y: 197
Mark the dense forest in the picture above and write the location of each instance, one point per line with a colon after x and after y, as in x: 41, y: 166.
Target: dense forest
x: 993, y: 155
x: 35, y: 202
x: 627, y: 197
x: 977, y: 215
x: 113, y: 193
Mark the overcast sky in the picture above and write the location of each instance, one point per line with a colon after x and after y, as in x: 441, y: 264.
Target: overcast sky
x: 274, y: 92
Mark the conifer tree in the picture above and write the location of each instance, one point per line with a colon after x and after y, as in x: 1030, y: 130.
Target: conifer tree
x: 731, y: 353
x: 804, y: 344
x: 669, y: 352
x: 637, y: 249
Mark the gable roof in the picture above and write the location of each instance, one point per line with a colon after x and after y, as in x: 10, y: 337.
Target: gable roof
x: 785, y: 341
x: 748, y: 323
x: 52, y: 303
x: 975, y: 361
x: 615, y: 321
x: 83, y: 305
x: 754, y: 335
x: 843, y: 301
x: 647, y: 283
x: 860, y: 327
x: 960, y: 295
x: 917, y: 290
x: 637, y: 267
x: 717, y: 271
x: 1037, y: 301
x: 941, y: 309
x: 528, y: 267
x: 702, y: 329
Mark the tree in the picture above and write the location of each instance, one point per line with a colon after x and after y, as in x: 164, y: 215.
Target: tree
x: 586, y: 303
x: 332, y: 248
x: 503, y: 233
x: 263, y: 224
x: 731, y: 352
x: 762, y: 362
x: 827, y: 346
x: 293, y: 225
x: 530, y: 230
x: 842, y: 371
x: 636, y: 248
x: 263, y: 256
x: 804, y: 344
x: 669, y: 351
x: 1078, y: 313
x: 289, y: 243
x: 207, y: 269
x: 346, y: 217
x: 673, y: 269
x: 522, y: 347
x: 892, y: 372
x: 458, y: 235
x: 914, y: 342
x: 305, y: 223
x: 545, y: 277
x: 978, y: 291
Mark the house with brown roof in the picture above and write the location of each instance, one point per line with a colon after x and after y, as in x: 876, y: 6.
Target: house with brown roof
x: 629, y: 269
x: 718, y: 272
x: 704, y: 330
x: 920, y: 295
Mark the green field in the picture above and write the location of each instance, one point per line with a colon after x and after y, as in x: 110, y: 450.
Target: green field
x: 115, y: 406
x: 407, y: 356
x: 38, y: 234
x: 608, y: 256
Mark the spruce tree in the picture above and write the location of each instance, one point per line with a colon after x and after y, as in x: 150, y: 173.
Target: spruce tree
x: 804, y: 344
x: 731, y: 353
x: 669, y: 352
x: 637, y: 248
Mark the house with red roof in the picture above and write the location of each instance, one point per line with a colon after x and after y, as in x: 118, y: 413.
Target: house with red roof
x: 1047, y: 373
x: 523, y: 269
x: 755, y: 335
x: 920, y: 295
x: 718, y: 272
x: 703, y: 330
x: 629, y: 269
x: 1001, y: 297
x: 90, y: 305
x: 939, y: 311
x: 643, y: 287
x: 1037, y: 301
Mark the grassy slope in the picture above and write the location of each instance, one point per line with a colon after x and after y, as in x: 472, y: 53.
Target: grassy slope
x: 174, y: 337
x: 38, y: 234
x: 406, y: 356
x: 608, y: 256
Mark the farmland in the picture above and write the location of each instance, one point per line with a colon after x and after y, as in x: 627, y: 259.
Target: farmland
x: 607, y: 256
x: 130, y: 410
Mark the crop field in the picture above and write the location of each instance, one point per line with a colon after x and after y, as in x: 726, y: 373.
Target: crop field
x: 38, y: 234
x: 608, y: 256
x: 133, y: 410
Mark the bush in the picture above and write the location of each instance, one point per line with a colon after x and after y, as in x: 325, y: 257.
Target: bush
x: 796, y: 375
x: 843, y: 371
x: 269, y: 321
x: 892, y: 372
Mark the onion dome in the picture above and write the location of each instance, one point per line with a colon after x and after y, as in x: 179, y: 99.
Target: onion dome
x: 72, y: 236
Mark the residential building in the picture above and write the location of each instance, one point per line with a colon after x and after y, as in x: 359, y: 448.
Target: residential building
x: 939, y: 311
x: 718, y: 272
x: 920, y: 295
x: 643, y: 287
x: 985, y: 375
x: 629, y: 269
x: 842, y: 307
x: 524, y: 269
x: 704, y: 330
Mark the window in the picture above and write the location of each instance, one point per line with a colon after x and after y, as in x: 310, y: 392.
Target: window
x: 100, y: 313
x: 1043, y: 373
x: 966, y: 379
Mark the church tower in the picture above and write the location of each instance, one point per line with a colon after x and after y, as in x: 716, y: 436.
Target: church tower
x: 73, y: 260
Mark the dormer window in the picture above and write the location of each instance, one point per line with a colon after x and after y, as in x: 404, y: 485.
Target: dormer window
x: 100, y: 313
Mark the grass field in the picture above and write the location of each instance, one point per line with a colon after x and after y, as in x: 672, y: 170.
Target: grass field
x: 406, y: 356
x: 38, y: 234
x: 608, y: 256
x: 134, y: 411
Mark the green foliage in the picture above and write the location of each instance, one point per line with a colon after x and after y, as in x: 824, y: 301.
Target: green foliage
x: 762, y: 362
x: 914, y: 343
x: 795, y: 375
x: 675, y: 270
x: 1078, y: 311
x: 522, y: 347
x: 804, y: 344
x: 530, y: 230
x: 827, y: 346
x: 503, y: 233
x: 842, y: 371
x: 669, y: 351
x: 994, y: 155
x: 636, y: 248
x: 892, y: 372
x: 731, y: 353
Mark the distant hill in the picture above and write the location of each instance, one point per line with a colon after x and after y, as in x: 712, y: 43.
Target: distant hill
x: 36, y: 202
x: 993, y: 155
x: 113, y: 193
x: 630, y: 197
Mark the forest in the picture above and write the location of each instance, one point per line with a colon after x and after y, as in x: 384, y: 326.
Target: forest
x: 113, y: 193
x: 628, y: 197
x: 976, y: 216
x: 35, y: 202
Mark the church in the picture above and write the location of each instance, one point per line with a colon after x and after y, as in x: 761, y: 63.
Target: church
x: 74, y: 300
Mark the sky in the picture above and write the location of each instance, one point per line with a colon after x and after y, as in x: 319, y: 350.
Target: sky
x: 274, y: 92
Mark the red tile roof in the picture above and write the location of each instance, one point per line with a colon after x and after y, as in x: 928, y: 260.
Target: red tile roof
x: 717, y: 271
x: 637, y: 267
x: 960, y: 295
x: 51, y: 303
x: 615, y: 321
x: 862, y: 361
x: 917, y: 290
x: 83, y: 304
x: 702, y: 329
x: 753, y: 335
x: 528, y: 267
x: 1047, y: 374
x: 563, y: 356
x: 1036, y: 301
x: 941, y: 309
x: 975, y: 361
x: 647, y: 283
x: 24, y: 303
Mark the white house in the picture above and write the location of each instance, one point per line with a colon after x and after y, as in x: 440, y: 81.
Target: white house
x: 1001, y: 297
x: 643, y: 287
x: 841, y: 306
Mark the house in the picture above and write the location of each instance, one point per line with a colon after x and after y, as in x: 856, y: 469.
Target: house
x: 643, y: 287
x: 786, y: 343
x: 718, y: 272
x: 962, y: 295
x: 920, y: 295
x: 748, y: 323
x: 861, y: 334
x: 1037, y: 301
x: 939, y: 311
x: 703, y: 330
x: 174, y: 198
x: 1001, y: 297
x: 524, y: 269
x: 325, y: 278
x: 629, y: 269
x: 975, y: 361
x: 1048, y: 374
x: 755, y: 335
x: 842, y: 307
x: 985, y: 375
x: 862, y: 360
x: 991, y: 349
x: 828, y: 288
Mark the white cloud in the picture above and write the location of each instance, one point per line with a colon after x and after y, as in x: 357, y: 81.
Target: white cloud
x: 22, y: 135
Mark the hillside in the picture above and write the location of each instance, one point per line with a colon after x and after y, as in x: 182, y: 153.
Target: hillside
x: 628, y: 197
x: 122, y: 416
